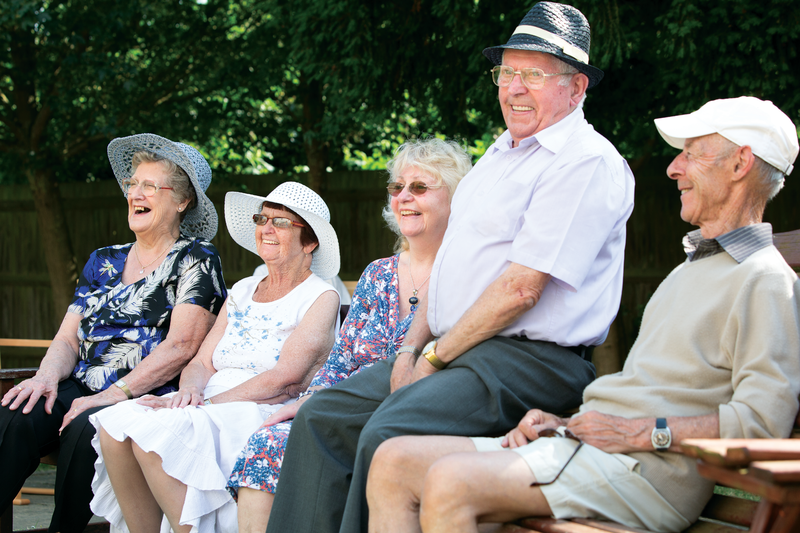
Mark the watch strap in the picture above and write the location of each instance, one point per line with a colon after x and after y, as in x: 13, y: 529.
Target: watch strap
x: 429, y: 353
x: 124, y: 386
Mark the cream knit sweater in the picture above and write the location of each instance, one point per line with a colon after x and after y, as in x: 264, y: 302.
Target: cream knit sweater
x: 717, y: 336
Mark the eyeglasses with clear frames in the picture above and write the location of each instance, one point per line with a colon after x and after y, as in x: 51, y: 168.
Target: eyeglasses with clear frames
x: 278, y: 222
x: 417, y: 188
x: 533, y: 78
x: 148, y: 187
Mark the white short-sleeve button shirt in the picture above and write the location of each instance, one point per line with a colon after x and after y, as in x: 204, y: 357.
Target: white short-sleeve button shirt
x: 557, y: 203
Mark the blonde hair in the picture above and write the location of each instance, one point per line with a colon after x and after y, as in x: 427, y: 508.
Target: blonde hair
x: 445, y: 161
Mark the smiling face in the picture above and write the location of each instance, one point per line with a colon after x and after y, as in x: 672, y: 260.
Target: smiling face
x: 527, y: 112
x: 424, y: 215
x: 150, y: 217
x: 703, y: 173
x: 278, y: 245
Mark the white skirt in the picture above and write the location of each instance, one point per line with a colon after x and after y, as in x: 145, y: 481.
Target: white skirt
x: 198, y: 446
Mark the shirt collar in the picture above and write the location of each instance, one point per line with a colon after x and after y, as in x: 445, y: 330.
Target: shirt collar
x: 740, y: 243
x: 554, y: 137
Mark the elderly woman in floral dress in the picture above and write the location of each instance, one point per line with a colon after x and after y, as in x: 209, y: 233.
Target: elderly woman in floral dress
x: 423, y: 178
x: 139, y: 315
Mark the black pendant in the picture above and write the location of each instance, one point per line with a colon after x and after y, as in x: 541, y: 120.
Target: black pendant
x: 413, y: 300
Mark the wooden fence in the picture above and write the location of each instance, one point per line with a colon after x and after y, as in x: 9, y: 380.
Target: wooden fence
x: 96, y: 214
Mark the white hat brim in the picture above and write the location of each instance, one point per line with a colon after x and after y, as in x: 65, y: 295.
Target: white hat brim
x: 675, y: 130
x: 240, y: 208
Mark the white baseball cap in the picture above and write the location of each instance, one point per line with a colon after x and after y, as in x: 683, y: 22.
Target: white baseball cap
x: 745, y: 121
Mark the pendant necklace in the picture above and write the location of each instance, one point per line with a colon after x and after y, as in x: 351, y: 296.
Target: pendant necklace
x: 414, y: 300
x: 136, y: 251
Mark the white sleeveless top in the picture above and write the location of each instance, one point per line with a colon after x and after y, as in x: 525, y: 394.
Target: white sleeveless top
x: 256, y: 331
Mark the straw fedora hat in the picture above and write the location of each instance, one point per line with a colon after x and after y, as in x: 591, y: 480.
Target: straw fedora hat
x: 240, y: 208
x: 555, y: 29
x: 201, y: 221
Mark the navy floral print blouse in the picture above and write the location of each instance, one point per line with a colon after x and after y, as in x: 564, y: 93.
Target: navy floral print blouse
x: 122, y: 324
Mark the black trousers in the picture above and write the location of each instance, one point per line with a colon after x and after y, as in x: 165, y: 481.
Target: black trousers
x: 486, y: 391
x: 26, y: 438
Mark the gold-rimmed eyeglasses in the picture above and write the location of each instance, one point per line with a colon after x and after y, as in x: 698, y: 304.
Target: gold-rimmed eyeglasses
x: 533, y: 78
x: 148, y: 187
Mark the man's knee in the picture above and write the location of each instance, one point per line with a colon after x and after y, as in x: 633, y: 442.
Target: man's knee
x: 391, y: 459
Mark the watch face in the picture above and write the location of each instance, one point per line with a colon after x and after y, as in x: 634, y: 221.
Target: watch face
x: 430, y: 346
x: 661, y: 438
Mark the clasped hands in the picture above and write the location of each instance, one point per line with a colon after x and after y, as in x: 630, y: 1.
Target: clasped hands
x: 611, y: 434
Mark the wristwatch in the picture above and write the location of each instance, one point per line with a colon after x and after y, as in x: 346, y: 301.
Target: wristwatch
x: 124, y: 386
x: 661, y: 437
x: 429, y: 353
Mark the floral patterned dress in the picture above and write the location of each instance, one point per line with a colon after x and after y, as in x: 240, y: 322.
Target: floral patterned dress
x: 373, y: 330
x: 122, y: 324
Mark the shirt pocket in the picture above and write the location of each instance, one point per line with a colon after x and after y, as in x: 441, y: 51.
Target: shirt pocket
x: 499, y: 214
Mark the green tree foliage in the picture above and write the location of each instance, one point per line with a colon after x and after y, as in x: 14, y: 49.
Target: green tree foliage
x: 668, y: 57
x: 280, y: 84
x: 75, y: 74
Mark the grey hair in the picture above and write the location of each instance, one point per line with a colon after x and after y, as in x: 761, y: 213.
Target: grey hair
x: 767, y: 181
x: 770, y: 178
x: 177, y: 178
x: 567, y: 69
x: 445, y: 161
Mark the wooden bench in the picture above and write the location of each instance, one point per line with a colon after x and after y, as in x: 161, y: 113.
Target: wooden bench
x: 769, y: 468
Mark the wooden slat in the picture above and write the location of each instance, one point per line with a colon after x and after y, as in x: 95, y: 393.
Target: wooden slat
x: 351, y: 286
x: 576, y: 525
x: 776, y: 471
x: 26, y: 343
x: 788, y: 244
x: 753, y: 485
x: 730, y: 509
x: 741, y: 452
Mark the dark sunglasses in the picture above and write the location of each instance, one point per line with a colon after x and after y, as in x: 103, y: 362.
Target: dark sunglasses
x: 278, y: 222
x: 417, y: 188
x: 567, y: 434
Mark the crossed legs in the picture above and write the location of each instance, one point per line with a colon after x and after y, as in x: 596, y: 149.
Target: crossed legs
x: 144, y: 491
x: 440, y: 484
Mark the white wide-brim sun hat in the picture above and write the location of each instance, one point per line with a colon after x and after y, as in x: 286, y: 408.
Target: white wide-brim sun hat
x: 240, y: 208
x: 201, y: 221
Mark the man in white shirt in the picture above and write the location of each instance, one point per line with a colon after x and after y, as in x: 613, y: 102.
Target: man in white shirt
x: 716, y: 356
x: 527, y: 280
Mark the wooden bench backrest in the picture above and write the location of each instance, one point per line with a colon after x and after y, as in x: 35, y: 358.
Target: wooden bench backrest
x: 788, y: 244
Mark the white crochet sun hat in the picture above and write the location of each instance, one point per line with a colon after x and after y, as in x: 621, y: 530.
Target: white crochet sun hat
x: 240, y: 208
x: 201, y: 221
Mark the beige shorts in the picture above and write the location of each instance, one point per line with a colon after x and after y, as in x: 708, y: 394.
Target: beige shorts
x: 595, y: 484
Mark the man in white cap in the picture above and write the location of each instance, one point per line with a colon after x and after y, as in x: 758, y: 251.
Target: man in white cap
x: 527, y: 280
x: 716, y: 356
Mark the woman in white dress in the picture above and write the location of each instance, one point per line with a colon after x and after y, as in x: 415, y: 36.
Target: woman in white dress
x: 164, y: 461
